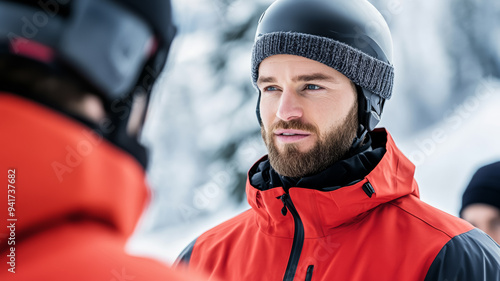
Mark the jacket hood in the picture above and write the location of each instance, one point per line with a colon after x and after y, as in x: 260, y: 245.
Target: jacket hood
x: 65, y: 171
x: 321, y: 211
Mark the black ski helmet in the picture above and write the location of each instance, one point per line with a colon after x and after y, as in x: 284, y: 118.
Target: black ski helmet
x: 350, y: 36
x: 116, y: 47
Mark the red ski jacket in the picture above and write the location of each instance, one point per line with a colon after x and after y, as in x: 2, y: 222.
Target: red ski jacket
x: 372, y: 230
x: 70, y: 200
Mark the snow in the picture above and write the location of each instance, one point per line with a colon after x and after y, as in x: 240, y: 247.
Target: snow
x: 448, y: 153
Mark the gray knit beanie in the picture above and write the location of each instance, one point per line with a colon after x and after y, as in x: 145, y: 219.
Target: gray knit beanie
x: 364, y: 70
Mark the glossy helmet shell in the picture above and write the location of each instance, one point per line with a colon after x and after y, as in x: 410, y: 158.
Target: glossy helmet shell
x: 113, y: 45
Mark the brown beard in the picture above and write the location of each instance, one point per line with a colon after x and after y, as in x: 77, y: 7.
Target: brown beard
x: 330, y: 148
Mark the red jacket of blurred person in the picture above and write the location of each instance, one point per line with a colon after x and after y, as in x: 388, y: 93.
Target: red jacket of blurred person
x: 75, y: 199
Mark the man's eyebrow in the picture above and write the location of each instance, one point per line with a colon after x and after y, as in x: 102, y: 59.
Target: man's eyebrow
x: 313, y: 77
x: 301, y: 78
x: 268, y: 79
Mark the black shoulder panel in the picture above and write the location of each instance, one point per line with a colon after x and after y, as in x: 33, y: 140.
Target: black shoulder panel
x: 471, y: 256
x: 185, y: 255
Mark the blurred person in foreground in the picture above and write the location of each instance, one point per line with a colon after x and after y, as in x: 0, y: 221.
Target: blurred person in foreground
x: 335, y: 199
x: 75, y: 80
x: 481, y: 200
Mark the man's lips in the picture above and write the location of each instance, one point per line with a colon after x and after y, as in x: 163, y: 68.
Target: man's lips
x: 290, y: 135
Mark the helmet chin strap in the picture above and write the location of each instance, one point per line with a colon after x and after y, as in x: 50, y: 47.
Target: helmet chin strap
x: 120, y: 137
x: 257, y: 110
x: 115, y: 129
x: 364, y: 114
x: 358, y: 140
x: 120, y: 111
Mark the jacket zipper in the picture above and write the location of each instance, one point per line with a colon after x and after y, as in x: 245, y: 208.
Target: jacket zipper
x: 309, y: 274
x: 298, y: 237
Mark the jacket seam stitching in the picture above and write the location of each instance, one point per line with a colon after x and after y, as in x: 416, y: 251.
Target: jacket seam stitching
x: 396, y: 183
x: 320, y: 218
x: 424, y: 221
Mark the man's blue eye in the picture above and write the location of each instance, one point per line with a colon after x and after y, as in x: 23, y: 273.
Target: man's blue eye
x: 313, y: 87
x: 270, y: 88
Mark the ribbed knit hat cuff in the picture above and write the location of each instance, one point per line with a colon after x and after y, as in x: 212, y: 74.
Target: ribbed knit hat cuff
x: 483, y: 195
x: 362, y: 69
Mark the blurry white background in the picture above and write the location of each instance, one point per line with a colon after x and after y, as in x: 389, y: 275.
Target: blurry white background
x: 204, y: 134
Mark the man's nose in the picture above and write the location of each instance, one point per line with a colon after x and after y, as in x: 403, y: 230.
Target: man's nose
x: 290, y: 106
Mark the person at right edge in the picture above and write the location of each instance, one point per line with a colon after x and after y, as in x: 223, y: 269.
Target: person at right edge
x: 481, y: 200
x: 335, y: 199
x: 75, y: 80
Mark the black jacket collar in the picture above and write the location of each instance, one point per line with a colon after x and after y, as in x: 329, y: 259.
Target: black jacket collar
x: 341, y: 173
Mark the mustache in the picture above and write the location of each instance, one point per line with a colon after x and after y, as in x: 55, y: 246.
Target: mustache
x: 294, y: 124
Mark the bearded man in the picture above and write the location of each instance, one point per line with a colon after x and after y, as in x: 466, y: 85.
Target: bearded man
x: 335, y: 199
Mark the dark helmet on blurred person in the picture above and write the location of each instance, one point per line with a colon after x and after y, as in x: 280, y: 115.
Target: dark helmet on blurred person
x: 116, y: 48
